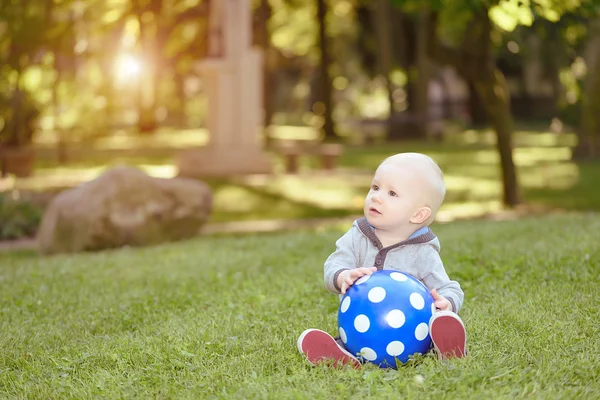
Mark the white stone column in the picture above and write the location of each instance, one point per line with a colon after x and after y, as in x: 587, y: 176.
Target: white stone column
x: 232, y: 75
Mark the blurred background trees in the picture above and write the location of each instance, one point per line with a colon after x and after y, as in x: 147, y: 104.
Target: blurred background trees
x: 391, y: 69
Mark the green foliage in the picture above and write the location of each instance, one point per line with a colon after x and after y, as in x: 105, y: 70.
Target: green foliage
x: 18, y: 219
x: 299, y: 38
x: 196, y: 320
x: 570, y: 114
x: 30, y: 38
x: 506, y: 14
x: 19, y: 113
x: 22, y: 32
x: 509, y: 14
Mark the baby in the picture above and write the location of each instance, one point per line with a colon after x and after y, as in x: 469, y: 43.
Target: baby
x: 406, y: 193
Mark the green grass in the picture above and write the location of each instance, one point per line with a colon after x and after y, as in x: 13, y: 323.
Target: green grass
x: 218, y: 317
x: 580, y: 192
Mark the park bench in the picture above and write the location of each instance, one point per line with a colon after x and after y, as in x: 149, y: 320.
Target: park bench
x: 326, y: 153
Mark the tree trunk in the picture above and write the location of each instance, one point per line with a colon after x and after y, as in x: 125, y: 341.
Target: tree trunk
x: 477, y: 112
x: 61, y: 152
x: 148, y: 77
x: 410, y: 47
x: 18, y: 119
x: 554, y: 65
x: 263, y: 39
x: 325, y: 79
x: 490, y: 84
x: 181, y: 114
x: 381, y: 21
x: 588, y: 145
x: 421, y: 76
x: 475, y: 59
x: 493, y: 91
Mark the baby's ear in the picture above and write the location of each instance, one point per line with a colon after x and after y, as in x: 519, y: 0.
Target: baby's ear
x: 421, y: 215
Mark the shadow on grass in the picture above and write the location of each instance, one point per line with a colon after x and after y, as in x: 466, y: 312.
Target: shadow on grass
x: 234, y: 201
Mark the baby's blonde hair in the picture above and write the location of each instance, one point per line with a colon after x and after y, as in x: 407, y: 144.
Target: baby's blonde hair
x: 430, y: 173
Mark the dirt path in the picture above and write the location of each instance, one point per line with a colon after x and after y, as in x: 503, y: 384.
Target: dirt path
x: 20, y: 244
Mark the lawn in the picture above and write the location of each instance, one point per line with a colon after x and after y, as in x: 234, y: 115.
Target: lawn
x: 218, y: 317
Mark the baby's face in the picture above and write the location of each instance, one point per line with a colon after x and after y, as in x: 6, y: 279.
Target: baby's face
x: 394, y: 198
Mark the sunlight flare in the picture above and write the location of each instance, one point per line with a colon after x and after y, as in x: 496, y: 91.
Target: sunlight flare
x: 127, y: 67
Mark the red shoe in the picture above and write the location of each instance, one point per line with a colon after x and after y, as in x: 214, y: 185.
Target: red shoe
x: 448, y: 335
x: 320, y: 347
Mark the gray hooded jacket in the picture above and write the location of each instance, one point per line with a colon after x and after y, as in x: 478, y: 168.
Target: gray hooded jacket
x: 418, y: 256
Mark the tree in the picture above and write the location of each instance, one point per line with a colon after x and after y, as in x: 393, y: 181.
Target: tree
x: 30, y: 36
x: 385, y: 54
x: 472, y: 56
x: 152, y: 36
x: 421, y: 73
x: 474, y: 59
x: 326, y: 85
x: 390, y: 38
x: 169, y: 36
x: 25, y: 27
x: 262, y: 38
x: 461, y: 35
x: 589, y: 130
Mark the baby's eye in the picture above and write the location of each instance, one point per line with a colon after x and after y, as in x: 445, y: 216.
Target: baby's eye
x: 374, y: 187
x: 392, y: 193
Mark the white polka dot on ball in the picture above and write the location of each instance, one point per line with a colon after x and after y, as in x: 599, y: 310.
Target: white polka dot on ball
x: 362, y: 323
x: 368, y: 353
x: 433, y: 308
x: 395, y: 348
x: 345, y: 304
x: 376, y: 295
x: 343, y: 335
x: 395, y: 318
x: 362, y: 280
x: 417, y: 301
x: 398, y: 276
x: 421, y: 331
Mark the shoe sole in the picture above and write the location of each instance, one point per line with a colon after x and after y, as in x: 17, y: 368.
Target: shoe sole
x: 319, y: 347
x: 448, y: 336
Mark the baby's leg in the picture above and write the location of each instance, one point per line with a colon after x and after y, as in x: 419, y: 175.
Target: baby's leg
x: 448, y: 334
x: 320, y: 347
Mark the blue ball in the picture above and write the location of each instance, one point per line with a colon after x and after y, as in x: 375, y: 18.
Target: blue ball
x: 384, y: 317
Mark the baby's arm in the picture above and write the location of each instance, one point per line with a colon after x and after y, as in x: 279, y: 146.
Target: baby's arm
x: 437, y: 280
x: 341, y: 266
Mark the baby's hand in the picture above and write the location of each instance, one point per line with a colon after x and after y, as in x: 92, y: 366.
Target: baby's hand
x: 348, y: 277
x: 440, y: 302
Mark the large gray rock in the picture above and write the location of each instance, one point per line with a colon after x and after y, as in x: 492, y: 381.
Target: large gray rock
x: 124, y: 206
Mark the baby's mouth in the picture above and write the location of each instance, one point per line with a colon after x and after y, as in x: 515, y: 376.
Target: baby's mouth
x: 374, y: 210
